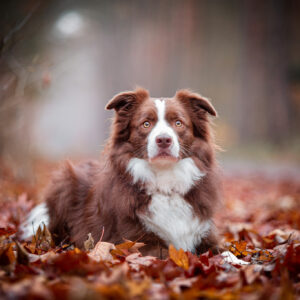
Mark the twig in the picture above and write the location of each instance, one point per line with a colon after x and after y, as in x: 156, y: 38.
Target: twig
x: 101, y: 235
x: 19, y: 26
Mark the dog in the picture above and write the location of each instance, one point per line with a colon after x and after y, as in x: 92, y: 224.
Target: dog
x: 157, y: 180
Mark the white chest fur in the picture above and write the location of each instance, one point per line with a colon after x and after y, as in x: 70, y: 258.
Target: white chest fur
x: 169, y: 215
x: 172, y: 219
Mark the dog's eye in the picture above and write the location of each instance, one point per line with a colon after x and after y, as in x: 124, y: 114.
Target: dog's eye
x: 146, y: 124
x: 178, y: 123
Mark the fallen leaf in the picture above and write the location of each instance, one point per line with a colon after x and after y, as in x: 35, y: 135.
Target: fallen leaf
x: 22, y: 254
x: 89, y: 243
x: 250, y: 273
x: 238, y: 248
x: 179, y: 257
x: 262, y: 236
x: 126, y: 248
x: 102, y: 251
x: 7, y: 231
x: 135, y: 261
x: 43, y: 238
x: 7, y: 255
x: 136, y: 246
x: 136, y: 288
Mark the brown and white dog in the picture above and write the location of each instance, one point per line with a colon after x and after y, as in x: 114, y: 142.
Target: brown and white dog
x: 156, y: 182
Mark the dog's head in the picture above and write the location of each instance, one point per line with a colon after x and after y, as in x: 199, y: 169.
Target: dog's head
x: 161, y: 130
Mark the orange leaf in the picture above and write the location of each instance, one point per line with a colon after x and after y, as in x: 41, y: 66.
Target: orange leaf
x: 126, y: 248
x: 77, y: 251
x: 240, y: 246
x: 7, y: 255
x: 126, y: 245
x: 179, y: 257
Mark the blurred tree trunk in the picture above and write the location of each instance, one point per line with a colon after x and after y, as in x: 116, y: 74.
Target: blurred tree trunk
x: 14, y: 109
x: 264, y: 84
x: 277, y: 99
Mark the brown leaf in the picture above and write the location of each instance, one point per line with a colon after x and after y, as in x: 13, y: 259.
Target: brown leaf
x: 137, y: 289
x: 7, y: 231
x: 89, y: 244
x: 250, y: 274
x: 102, y: 251
x: 117, y: 274
x: 135, y: 260
x: 179, y: 282
x: 43, y: 238
x: 22, y: 255
x: 113, y: 291
x: 7, y: 255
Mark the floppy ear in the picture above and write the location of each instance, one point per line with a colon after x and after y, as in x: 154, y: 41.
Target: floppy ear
x: 124, y: 104
x: 125, y: 101
x: 199, y: 108
x: 196, y: 101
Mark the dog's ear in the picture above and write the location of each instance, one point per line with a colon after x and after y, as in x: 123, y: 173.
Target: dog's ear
x: 125, y: 101
x: 125, y: 106
x: 199, y: 107
x: 196, y: 101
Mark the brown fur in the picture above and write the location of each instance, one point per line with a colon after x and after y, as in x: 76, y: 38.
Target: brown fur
x: 91, y: 196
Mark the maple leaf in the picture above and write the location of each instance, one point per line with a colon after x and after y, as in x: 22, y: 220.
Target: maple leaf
x: 136, y: 261
x: 102, y: 251
x: 238, y: 248
x: 126, y: 248
x: 179, y: 257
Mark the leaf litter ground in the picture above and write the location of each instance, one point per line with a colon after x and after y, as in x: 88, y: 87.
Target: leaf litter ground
x: 259, y: 224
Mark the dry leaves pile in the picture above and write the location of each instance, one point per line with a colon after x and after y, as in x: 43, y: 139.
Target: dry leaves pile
x: 259, y: 224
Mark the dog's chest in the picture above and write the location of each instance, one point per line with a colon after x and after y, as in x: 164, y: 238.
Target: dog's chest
x: 168, y: 214
x: 171, y: 217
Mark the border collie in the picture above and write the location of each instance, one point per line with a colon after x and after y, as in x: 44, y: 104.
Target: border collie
x: 157, y: 180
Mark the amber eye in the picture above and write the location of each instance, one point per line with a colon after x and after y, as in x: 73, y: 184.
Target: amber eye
x: 146, y: 124
x: 178, y: 123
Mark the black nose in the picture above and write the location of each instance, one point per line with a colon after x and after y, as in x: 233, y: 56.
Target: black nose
x: 163, y: 141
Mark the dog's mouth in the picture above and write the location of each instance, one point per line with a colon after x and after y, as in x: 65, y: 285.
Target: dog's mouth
x: 163, y: 158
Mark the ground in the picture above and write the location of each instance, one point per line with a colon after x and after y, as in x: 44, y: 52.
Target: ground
x: 259, y: 223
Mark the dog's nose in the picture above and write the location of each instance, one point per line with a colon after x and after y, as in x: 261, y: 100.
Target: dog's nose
x: 163, y: 141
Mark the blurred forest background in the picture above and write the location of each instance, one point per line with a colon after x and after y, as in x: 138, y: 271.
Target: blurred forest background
x: 62, y: 60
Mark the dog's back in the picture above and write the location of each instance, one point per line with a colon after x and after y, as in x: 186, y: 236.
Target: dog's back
x: 65, y: 200
x: 67, y: 195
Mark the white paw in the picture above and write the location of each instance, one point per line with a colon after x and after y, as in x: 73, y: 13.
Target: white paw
x: 37, y: 217
x: 231, y: 258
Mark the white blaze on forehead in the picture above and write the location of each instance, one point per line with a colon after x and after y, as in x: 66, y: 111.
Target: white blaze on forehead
x: 162, y: 127
x: 161, y: 109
